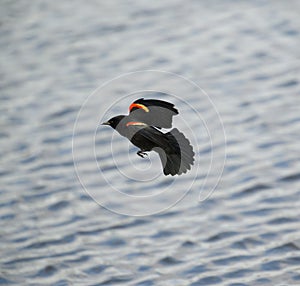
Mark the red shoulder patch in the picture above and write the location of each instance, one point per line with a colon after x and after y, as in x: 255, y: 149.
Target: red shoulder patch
x: 138, y: 105
x: 135, y: 123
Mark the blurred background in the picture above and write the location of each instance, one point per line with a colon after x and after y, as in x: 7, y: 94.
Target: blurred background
x: 244, y: 54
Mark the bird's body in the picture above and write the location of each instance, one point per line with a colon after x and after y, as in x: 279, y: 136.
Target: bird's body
x: 142, y: 127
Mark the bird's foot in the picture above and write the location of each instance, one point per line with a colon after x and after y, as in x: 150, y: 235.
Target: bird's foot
x: 142, y: 154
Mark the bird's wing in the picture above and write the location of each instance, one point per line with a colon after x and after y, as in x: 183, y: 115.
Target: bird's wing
x: 145, y: 133
x: 153, y: 112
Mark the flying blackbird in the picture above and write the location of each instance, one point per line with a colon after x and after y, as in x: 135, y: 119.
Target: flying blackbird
x: 142, y: 127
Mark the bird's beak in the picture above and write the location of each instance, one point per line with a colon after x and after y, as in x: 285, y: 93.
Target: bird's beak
x: 105, y: 123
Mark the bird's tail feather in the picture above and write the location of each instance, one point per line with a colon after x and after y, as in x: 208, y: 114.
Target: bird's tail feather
x: 179, y: 156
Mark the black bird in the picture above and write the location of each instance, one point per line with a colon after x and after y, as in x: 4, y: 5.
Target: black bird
x: 141, y: 127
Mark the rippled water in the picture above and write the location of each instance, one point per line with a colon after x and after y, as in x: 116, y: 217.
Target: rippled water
x: 245, y: 55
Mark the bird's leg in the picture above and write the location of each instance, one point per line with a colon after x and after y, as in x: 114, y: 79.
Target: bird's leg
x: 142, y: 154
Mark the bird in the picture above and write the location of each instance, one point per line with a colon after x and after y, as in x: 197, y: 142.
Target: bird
x: 142, y: 126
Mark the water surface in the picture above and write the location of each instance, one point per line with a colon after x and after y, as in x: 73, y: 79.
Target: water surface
x: 244, y: 55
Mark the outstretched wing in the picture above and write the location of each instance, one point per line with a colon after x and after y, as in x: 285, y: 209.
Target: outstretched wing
x: 153, y: 112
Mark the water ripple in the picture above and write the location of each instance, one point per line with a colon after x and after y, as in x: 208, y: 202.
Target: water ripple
x: 243, y: 54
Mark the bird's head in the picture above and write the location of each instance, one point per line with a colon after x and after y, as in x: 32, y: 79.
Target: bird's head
x: 114, y: 122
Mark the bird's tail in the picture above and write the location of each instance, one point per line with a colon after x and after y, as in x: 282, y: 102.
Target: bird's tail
x: 178, y: 156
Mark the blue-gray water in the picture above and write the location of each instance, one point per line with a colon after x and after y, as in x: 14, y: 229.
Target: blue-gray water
x: 244, y: 54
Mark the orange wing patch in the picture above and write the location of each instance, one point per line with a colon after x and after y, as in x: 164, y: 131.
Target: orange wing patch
x: 138, y: 105
x: 134, y: 123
